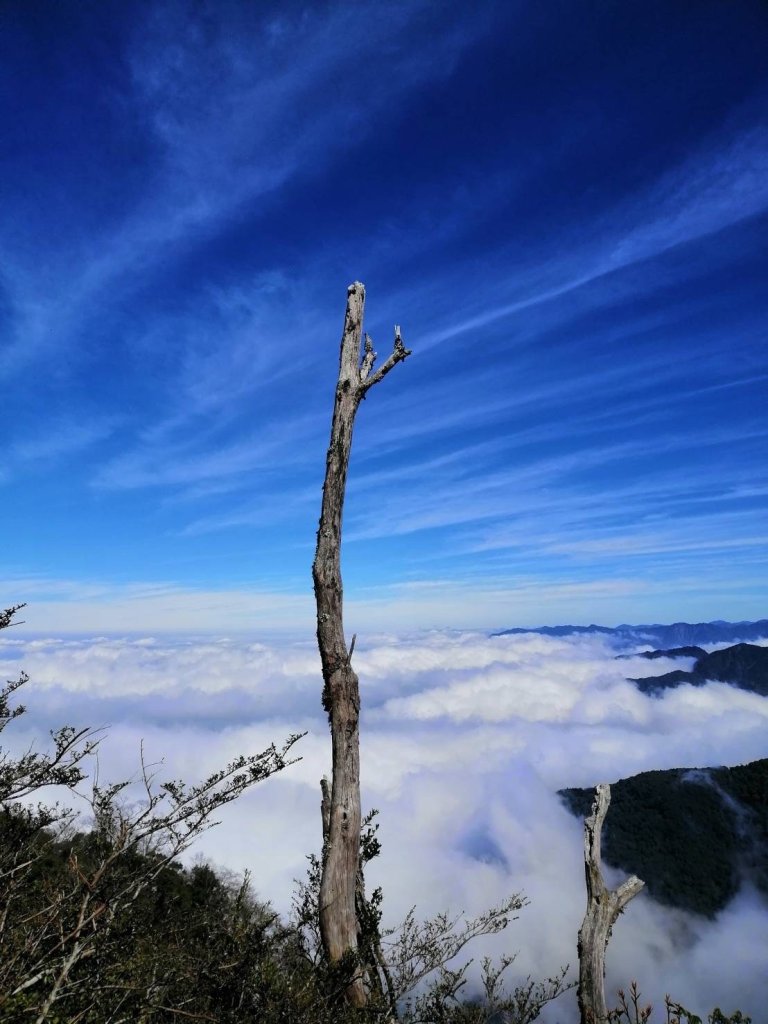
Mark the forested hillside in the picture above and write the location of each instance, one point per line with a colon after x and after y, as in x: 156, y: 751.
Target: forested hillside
x: 694, y: 835
x: 743, y: 665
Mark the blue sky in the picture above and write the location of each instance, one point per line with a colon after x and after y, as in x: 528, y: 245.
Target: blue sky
x: 565, y: 206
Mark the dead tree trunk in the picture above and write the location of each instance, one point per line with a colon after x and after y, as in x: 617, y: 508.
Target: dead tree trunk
x: 341, y: 695
x: 603, y: 907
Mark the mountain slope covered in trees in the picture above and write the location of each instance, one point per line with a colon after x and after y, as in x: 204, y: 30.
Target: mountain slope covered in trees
x: 694, y: 835
x: 743, y: 665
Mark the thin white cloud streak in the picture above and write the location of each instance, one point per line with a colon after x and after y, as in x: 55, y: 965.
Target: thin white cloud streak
x: 228, y: 344
x: 279, y: 445
x: 713, y: 190
x: 582, y: 531
x: 466, y: 791
x: 398, y: 420
x: 440, y: 503
x: 301, y: 502
x: 394, y: 425
x: 62, y: 438
x: 231, y: 408
x: 658, y: 543
x: 475, y: 491
x: 451, y: 466
x: 71, y: 606
x: 448, y: 489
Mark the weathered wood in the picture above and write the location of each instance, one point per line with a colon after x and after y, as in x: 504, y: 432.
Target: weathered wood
x: 341, y: 692
x: 603, y: 907
x: 325, y: 807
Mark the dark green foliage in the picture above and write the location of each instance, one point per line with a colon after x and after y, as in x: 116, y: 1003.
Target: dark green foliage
x: 690, y: 834
x: 631, y: 1010
x: 443, y: 1003
x: 192, y: 943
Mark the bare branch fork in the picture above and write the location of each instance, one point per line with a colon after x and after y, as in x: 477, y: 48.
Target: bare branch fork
x: 341, y: 692
x: 603, y: 907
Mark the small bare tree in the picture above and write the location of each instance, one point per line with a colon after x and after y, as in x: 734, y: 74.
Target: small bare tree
x: 341, y: 693
x: 603, y: 907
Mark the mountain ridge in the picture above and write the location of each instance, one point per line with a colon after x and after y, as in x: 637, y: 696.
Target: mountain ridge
x: 673, y: 635
x: 744, y: 666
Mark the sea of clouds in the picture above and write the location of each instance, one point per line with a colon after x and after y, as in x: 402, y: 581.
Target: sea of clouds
x: 465, y: 740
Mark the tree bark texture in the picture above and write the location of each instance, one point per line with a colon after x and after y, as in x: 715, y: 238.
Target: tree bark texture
x: 603, y: 907
x: 341, y: 694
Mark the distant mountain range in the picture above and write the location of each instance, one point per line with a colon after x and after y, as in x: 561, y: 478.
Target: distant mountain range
x: 679, y: 634
x: 743, y: 665
x: 692, y: 834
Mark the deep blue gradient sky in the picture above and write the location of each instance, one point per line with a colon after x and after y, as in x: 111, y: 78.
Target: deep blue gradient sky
x: 565, y: 206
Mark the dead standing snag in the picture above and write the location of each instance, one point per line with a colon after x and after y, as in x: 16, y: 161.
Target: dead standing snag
x: 341, y: 694
x: 603, y: 907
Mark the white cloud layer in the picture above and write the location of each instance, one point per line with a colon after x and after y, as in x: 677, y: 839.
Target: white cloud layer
x: 466, y: 739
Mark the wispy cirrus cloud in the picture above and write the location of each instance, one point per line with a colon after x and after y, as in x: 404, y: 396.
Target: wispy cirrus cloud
x: 196, y: 90
x: 720, y: 186
x: 62, y: 438
x: 186, y: 462
x: 106, y: 606
x: 454, y: 490
x: 588, y: 362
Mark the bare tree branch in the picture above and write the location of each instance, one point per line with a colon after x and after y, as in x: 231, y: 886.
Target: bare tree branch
x: 399, y: 353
